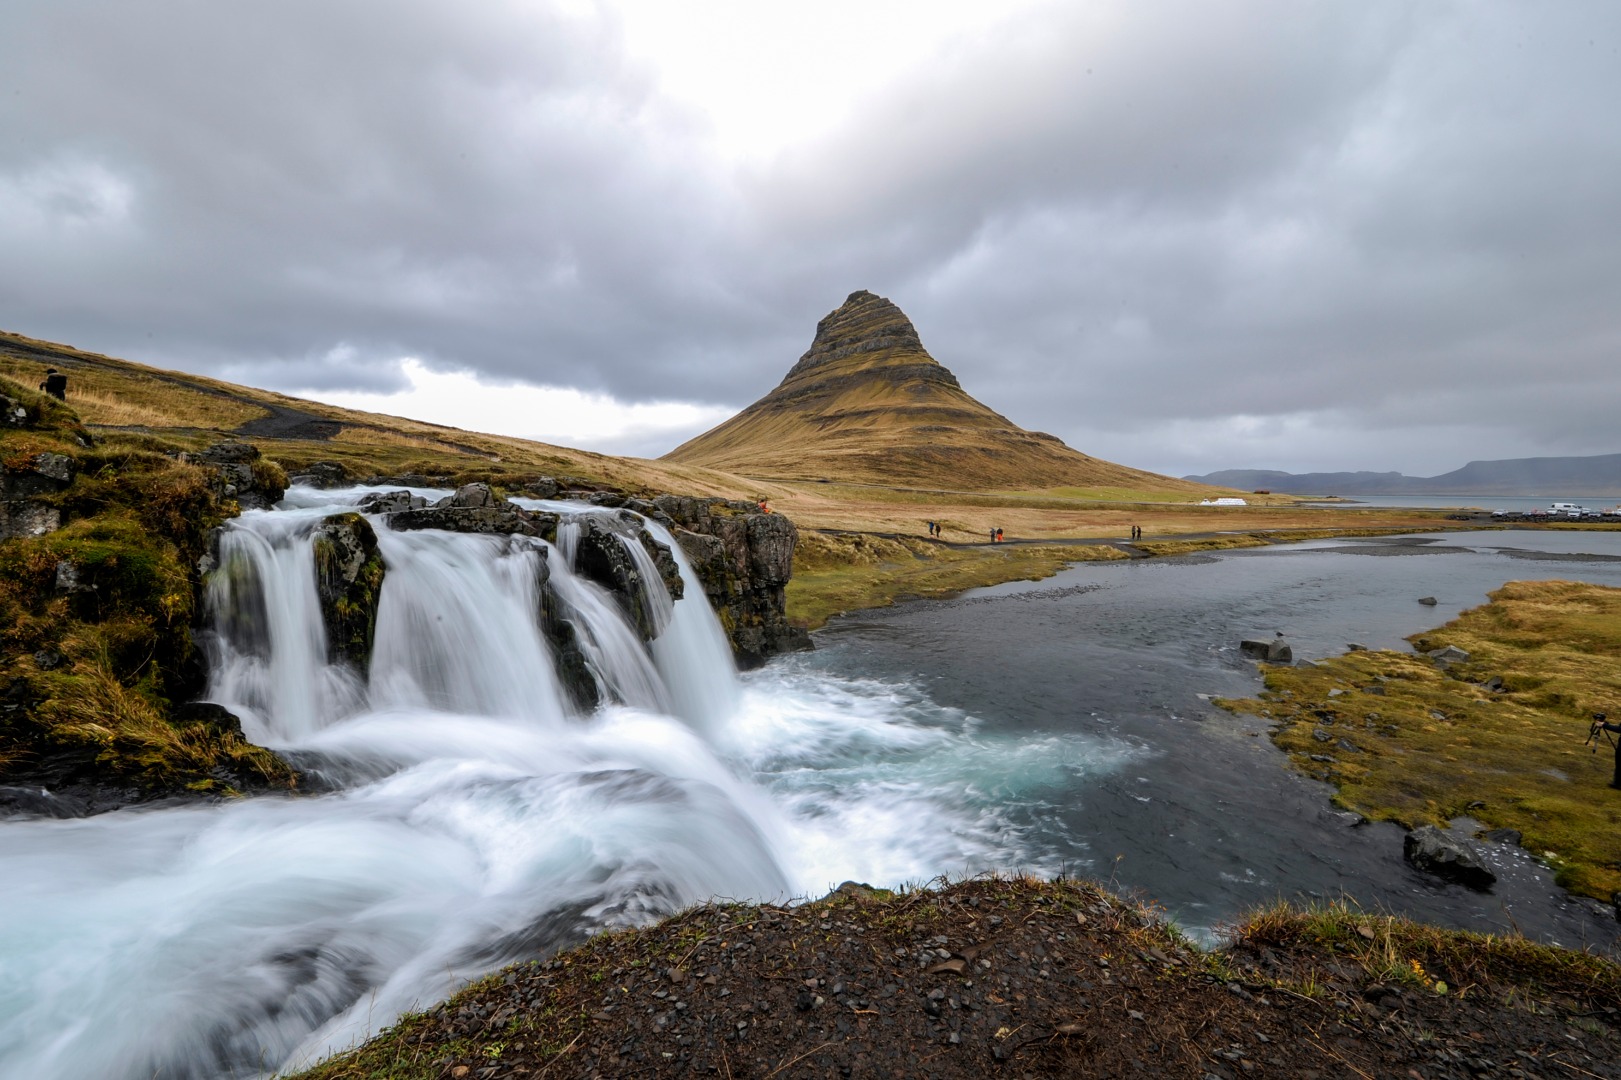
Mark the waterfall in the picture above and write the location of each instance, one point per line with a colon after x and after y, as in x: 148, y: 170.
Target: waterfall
x: 457, y: 630
x: 268, y: 652
x: 692, y: 653
x: 476, y: 816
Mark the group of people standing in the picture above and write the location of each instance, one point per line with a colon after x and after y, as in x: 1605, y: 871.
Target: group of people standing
x: 938, y: 531
x: 1136, y: 532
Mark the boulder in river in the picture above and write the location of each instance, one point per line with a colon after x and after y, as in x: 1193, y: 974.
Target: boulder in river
x: 322, y: 474
x: 1274, y: 651
x: 472, y: 495
x: 1434, y: 852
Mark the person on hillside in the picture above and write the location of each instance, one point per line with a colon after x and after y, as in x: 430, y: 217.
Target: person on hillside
x: 761, y: 503
x: 1602, y: 723
x: 998, y: 536
x: 55, y: 384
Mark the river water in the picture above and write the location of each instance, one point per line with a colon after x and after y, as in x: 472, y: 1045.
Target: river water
x: 476, y: 819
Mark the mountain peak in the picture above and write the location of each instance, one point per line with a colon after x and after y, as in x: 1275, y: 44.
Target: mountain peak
x: 867, y: 403
x: 864, y: 323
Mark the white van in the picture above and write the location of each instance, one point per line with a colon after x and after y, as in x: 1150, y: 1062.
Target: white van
x: 1565, y: 509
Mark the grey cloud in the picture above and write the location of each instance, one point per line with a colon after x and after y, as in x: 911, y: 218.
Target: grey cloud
x: 1120, y: 223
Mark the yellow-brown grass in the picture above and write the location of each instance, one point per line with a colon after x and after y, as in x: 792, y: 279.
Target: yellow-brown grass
x: 1433, y: 743
x: 124, y: 396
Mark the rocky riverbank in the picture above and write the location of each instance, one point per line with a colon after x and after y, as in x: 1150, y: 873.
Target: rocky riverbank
x: 1484, y: 720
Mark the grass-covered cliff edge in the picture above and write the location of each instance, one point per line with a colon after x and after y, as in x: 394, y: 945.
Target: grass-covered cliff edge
x: 98, y: 596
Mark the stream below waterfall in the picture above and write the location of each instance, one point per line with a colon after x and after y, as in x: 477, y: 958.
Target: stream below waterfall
x: 474, y: 817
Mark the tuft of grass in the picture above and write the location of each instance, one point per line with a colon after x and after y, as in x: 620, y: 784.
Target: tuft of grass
x: 1412, y: 742
x: 1459, y: 962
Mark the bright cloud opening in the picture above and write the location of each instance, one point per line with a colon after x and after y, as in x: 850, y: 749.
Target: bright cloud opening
x: 552, y: 414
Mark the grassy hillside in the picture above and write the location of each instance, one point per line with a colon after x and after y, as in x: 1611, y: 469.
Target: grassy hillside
x: 868, y: 404
x: 190, y: 411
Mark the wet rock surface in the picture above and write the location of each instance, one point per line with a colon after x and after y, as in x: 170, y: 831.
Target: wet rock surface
x: 475, y: 508
x: 348, y: 581
x: 1433, y: 851
x: 603, y: 556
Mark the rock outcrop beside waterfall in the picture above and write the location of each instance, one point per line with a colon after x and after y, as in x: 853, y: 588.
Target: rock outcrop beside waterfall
x: 745, y: 559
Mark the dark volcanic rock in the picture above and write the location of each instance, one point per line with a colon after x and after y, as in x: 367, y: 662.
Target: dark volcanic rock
x: 208, y: 714
x: 1274, y: 651
x: 1433, y: 851
x: 573, y: 671
x: 25, y: 517
x: 42, y: 474
x: 21, y: 483
x: 744, y: 558
x: 240, y: 475
x: 391, y: 502
x: 322, y: 474
x: 505, y: 519
x: 348, y: 581
x: 476, y: 495
x: 602, y: 556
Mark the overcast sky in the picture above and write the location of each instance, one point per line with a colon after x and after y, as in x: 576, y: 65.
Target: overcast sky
x: 1181, y: 236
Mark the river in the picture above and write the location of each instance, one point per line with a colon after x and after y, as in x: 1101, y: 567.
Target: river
x: 1055, y: 727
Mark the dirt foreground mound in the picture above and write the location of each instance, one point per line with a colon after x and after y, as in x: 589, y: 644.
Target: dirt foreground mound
x: 1020, y: 979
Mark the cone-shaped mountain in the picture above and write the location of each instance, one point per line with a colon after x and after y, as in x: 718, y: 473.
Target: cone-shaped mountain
x: 867, y: 403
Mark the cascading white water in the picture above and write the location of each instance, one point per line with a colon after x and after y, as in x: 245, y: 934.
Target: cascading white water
x: 692, y: 648
x: 476, y: 820
x: 269, y: 657
x: 456, y: 628
x: 623, y: 669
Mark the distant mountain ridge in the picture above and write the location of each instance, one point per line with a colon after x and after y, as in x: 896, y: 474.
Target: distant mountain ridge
x: 1596, y: 475
x: 866, y: 403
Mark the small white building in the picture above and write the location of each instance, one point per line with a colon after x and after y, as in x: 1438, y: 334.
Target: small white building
x: 1224, y: 501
